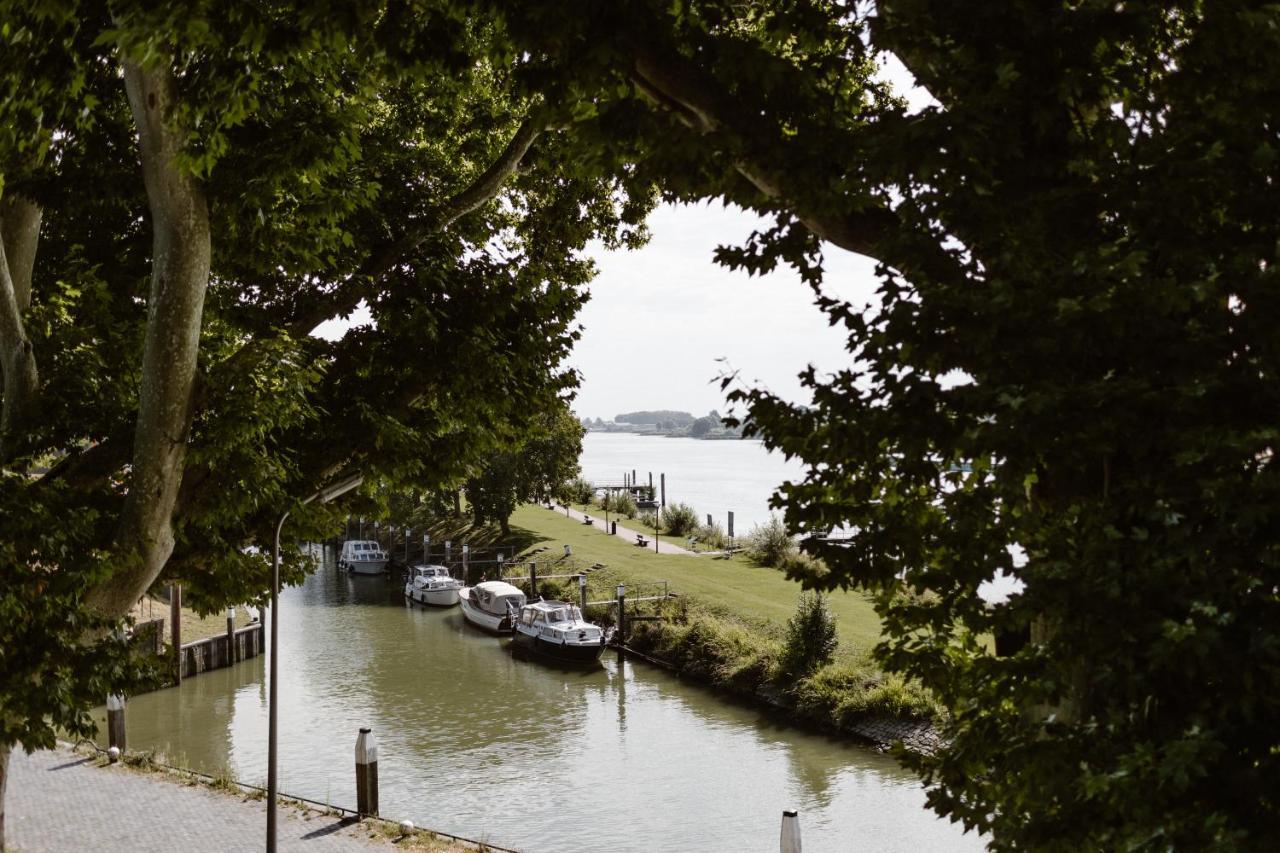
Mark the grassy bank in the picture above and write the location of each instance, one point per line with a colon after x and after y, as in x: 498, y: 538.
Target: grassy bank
x: 729, y: 623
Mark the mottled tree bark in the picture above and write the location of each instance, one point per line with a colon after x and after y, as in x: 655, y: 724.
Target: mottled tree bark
x: 179, y: 279
x: 19, y: 237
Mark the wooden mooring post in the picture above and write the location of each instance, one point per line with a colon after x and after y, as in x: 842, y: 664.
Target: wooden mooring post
x: 582, y: 592
x: 533, y: 579
x: 231, y: 635
x: 466, y: 559
x: 115, y: 721
x: 789, y: 841
x: 622, y: 614
x: 366, y: 774
x: 499, y: 567
x: 175, y: 628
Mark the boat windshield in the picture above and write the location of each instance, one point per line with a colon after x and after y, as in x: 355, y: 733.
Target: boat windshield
x: 561, y: 614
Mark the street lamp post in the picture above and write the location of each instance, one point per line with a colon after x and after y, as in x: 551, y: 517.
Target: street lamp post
x: 323, y: 496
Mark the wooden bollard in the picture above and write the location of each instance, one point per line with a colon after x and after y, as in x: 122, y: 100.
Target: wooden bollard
x: 366, y: 774
x: 231, y: 636
x: 115, y: 721
x: 789, y: 842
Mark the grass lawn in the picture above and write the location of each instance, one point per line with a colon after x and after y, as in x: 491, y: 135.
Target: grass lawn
x: 731, y: 585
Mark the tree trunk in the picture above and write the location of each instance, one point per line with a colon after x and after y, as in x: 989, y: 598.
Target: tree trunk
x: 179, y: 278
x: 505, y: 524
x: 457, y: 503
x: 19, y: 237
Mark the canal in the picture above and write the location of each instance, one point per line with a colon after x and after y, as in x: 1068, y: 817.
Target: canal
x: 476, y: 742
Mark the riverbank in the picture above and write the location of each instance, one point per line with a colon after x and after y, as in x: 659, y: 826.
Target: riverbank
x: 73, y: 799
x: 727, y: 629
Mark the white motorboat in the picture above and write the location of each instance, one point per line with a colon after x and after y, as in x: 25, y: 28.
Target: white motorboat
x: 432, y: 585
x: 491, y: 605
x: 556, y: 629
x: 363, y: 557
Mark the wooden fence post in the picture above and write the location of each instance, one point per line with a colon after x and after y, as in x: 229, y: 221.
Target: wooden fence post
x: 366, y: 774
x: 115, y: 721
x: 789, y: 842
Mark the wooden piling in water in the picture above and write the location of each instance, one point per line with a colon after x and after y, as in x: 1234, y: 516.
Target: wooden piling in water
x: 622, y: 614
x: 366, y: 774
x: 582, y: 593
x: 231, y: 635
x: 175, y: 628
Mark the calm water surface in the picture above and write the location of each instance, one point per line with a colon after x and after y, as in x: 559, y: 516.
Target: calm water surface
x: 476, y: 742
x: 713, y: 477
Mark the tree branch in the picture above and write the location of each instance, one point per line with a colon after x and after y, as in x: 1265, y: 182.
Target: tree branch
x: 19, y: 237
x: 863, y: 224
x: 179, y: 279
x: 385, y: 258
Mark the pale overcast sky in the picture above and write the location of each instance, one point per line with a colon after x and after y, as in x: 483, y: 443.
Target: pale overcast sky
x: 660, y: 317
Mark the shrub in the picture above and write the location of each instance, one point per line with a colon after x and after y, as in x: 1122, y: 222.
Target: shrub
x: 712, y: 535
x: 769, y: 544
x: 811, y: 637
x: 802, y: 566
x: 622, y: 503
x: 649, y: 517
x: 679, y: 520
x: 578, y: 490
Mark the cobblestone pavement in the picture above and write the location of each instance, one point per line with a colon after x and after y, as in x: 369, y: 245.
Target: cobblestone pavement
x: 59, y: 800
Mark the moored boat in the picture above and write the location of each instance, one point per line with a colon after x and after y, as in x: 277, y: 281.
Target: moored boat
x: 363, y: 557
x: 491, y: 605
x: 556, y: 629
x: 432, y: 585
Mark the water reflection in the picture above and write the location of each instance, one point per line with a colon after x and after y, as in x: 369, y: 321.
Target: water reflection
x: 477, y: 742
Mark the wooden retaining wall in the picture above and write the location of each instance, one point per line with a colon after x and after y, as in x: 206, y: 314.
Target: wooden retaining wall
x: 211, y: 653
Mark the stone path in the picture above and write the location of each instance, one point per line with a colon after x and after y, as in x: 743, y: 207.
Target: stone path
x: 59, y: 800
x: 664, y: 547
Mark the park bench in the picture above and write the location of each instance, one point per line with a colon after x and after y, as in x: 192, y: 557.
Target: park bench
x: 586, y: 519
x: 641, y: 541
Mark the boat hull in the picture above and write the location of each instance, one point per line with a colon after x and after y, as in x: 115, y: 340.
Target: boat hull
x: 578, y: 653
x: 483, y: 619
x: 432, y: 597
x: 365, y: 567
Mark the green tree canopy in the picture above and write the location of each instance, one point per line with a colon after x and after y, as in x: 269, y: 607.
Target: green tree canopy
x: 540, y: 457
x: 187, y: 192
x: 1072, y: 354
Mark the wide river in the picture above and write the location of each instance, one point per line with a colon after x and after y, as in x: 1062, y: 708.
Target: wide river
x: 715, y: 477
x: 476, y: 742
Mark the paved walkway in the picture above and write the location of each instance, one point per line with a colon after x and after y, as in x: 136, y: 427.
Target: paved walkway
x: 59, y: 800
x: 664, y: 547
